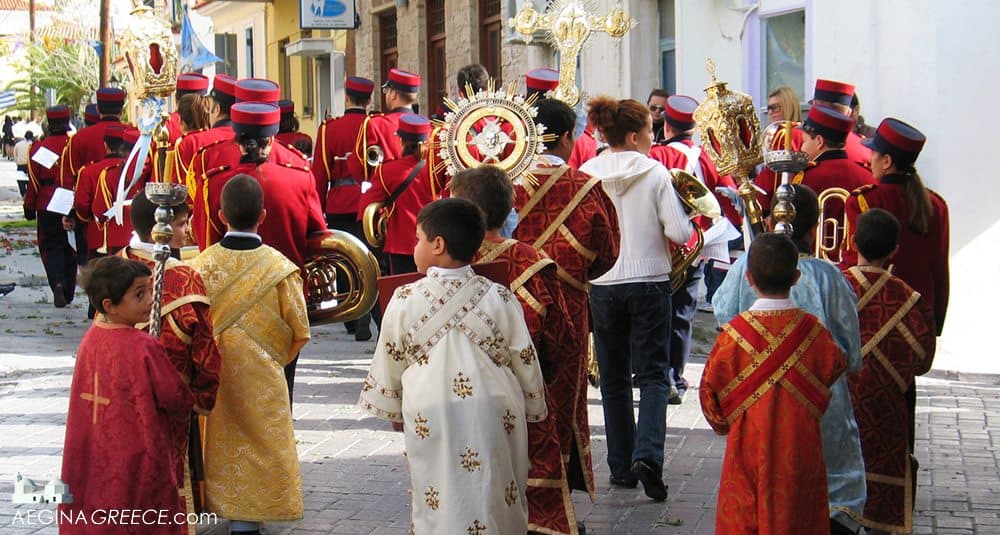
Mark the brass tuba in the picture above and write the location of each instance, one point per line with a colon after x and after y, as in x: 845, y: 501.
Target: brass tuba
x: 374, y: 223
x: 697, y: 201
x: 334, y: 253
x: 831, y: 232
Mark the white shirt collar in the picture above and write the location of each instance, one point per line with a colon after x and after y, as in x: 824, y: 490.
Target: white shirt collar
x: 460, y: 272
x: 764, y: 304
x: 136, y: 243
x: 550, y: 159
x: 239, y: 234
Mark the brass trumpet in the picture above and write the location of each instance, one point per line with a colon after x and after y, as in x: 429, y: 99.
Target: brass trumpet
x: 374, y: 223
x: 374, y: 156
x: 831, y: 232
x: 330, y: 252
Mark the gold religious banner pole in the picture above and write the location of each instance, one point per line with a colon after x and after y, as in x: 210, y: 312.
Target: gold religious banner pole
x: 567, y: 25
x: 730, y: 133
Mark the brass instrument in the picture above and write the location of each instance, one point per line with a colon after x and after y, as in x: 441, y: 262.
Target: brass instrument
x: 374, y: 156
x: 831, y: 232
x: 697, y: 201
x: 730, y: 133
x: 334, y: 252
x: 375, y: 224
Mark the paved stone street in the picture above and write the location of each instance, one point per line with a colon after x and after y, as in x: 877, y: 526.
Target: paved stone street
x: 355, y: 478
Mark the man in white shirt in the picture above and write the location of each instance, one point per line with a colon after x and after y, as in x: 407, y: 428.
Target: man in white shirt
x: 21, y: 149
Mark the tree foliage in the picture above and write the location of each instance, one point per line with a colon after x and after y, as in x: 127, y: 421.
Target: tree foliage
x: 70, y: 70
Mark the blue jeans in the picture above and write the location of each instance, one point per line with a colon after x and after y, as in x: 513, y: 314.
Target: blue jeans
x: 631, y: 324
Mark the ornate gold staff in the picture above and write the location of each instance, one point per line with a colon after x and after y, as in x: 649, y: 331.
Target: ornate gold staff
x: 165, y: 196
x: 730, y: 133
x: 780, y: 157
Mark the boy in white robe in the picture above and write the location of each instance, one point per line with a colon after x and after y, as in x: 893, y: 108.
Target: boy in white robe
x: 455, y: 370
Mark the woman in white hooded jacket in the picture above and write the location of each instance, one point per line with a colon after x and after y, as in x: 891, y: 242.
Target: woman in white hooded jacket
x: 630, y: 304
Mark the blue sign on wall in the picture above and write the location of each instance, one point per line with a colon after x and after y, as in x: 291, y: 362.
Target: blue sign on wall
x: 327, y: 14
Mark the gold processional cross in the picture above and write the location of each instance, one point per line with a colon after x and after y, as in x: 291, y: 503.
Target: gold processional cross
x: 567, y: 25
x: 95, y: 398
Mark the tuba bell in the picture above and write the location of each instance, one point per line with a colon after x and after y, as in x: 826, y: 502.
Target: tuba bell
x: 331, y: 253
x: 831, y: 231
x: 374, y: 223
x: 697, y: 201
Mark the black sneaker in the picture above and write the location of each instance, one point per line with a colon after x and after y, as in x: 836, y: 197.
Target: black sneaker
x: 652, y: 483
x: 624, y: 482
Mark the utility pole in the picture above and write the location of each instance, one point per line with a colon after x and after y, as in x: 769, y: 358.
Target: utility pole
x: 31, y: 21
x: 105, y: 43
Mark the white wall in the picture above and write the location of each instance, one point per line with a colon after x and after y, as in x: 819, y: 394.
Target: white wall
x: 930, y: 63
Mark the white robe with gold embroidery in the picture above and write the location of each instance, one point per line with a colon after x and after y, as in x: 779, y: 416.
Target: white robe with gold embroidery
x: 455, y: 363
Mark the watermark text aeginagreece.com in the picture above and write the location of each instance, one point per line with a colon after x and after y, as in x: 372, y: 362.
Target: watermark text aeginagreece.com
x: 109, y: 517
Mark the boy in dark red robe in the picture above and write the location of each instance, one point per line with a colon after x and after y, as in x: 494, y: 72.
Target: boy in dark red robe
x: 536, y: 285
x: 766, y: 385
x: 898, y: 337
x: 127, y: 405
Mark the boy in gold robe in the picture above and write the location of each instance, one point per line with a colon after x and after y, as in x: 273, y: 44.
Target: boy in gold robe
x: 259, y: 312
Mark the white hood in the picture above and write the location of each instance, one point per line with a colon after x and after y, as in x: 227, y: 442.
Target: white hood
x: 618, y: 170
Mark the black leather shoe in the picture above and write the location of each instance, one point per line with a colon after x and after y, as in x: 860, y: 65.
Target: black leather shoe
x: 652, y: 482
x: 624, y: 482
x: 363, y: 329
x: 7, y: 288
x: 59, y: 296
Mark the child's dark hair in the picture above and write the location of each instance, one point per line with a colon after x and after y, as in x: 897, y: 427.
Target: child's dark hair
x: 488, y: 188
x: 772, y: 263
x: 557, y: 117
x: 143, y: 215
x: 109, y: 277
x: 877, y: 234
x: 242, y: 201
x: 255, y: 147
x: 459, y: 222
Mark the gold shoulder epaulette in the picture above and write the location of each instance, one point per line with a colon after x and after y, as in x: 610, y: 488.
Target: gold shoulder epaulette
x: 864, y: 189
x: 217, y: 170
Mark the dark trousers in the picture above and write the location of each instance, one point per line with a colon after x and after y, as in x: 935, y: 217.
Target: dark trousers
x: 290, y: 378
x: 58, y: 257
x: 713, y: 279
x: 631, y: 324
x: 349, y: 224
x: 401, y: 263
x: 684, y: 303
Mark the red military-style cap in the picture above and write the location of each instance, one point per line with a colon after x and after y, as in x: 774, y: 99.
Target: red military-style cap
x: 110, y: 95
x: 255, y: 119
x: 679, y: 111
x: 57, y: 113
x: 91, y: 115
x: 257, y: 90
x: 414, y: 128
x: 901, y: 140
x: 191, y: 82
x: 829, y: 123
x: 114, y: 131
x: 404, y: 81
x: 361, y: 85
x: 286, y: 106
x: 833, y: 91
x: 224, y: 85
x: 541, y: 80
x: 131, y: 135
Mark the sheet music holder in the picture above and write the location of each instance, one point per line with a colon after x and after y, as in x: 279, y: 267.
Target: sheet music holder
x: 497, y: 271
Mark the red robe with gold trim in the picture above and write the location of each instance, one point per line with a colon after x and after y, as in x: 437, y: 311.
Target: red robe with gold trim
x: 584, y: 246
x: 922, y: 259
x: 898, y: 337
x: 126, y: 406
x: 766, y: 385
x: 536, y: 285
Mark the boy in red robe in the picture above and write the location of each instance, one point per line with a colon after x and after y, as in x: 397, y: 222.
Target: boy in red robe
x: 126, y: 406
x: 898, y: 337
x: 766, y: 385
x: 536, y: 285
x: 186, y: 332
